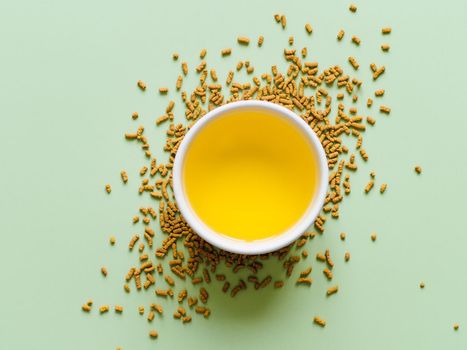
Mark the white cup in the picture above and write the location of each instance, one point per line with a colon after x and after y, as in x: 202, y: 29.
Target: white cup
x: 263, y: 245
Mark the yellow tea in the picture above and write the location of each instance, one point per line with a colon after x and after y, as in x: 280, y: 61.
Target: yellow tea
x: 250, y: 175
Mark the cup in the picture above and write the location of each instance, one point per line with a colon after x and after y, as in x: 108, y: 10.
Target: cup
x: 265, y: 245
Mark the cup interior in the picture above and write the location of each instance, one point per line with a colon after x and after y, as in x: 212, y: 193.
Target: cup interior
x: 262, y: 245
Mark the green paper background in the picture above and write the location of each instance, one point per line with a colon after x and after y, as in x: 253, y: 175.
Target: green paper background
x: 67, y: 90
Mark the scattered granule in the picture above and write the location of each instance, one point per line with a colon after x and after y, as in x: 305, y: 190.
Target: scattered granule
x: 202, y: 54
x: 386, y: 30
x: 112, y: 240
x: 135, y: 219
x: 87, y: 307
x: 134, y: 115
x: 378, y: 72
x: 104, y: 271
x: 329, y: 261
x: 133, y: 241
x: 239, y: 65
x: 243, y: 40
x: 354, y: 98
x: 291, y: 40
x: 353, y: 8
x: 277, y: 17
x: 192, y: 301
x: 364, y: 154
x: 181, y: 311
x: 369, y: 102
x: 306, y: 272
x: 141, y: 310
x: 356, y: 40
x: 422, y: 285
x: 108, y: 188
x: 278, y: 284
x: 283, y: 21
x: 418, y: 169
x: 383, y: 187
x: 371, y: 120
x: 319, y: 321
x: 104, y: 308
x: 118, y: 308
x: 206, y: 276
x: 186, y: 319
x: 332, y: 290
x: 347, y: 256
x: 169, y: 280
x: 226, y: 52
x: 153, y: 334
x: 353, y: 62
x: 178, y: 84
x: 304, y: 280
x: 342, y: 236
x: 226, y: 287
x: 328, y: 273
x: 185, y: 68
x: 126, y: 288
x: 373, y: 236
x: 196, y: 280
x: 163, y: 90
x: 175, y: 56
x: 308, y: 28
x: 124, y: 176
x: 169, y: 108
x: 456, y: 326
x: 379, y: 92
x: 340, y: 35
x: 213, y: 74
x: 250, y: 69
x: 146, y: 221
x: 320, y: 257
x: 141, y: 84
x: 260, y: 40
x: 373, y: 174
x: 305, y: 253
x: 157, y: 308
x: 385, y: 47
x: 384, y: 109
x: 151, y: 316
x: 138, y: 281
x: 220, y: 277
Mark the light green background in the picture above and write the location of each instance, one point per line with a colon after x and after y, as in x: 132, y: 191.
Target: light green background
x: 67, y: 89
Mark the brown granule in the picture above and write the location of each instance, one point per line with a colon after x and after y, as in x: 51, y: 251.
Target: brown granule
x: 332, y: 290
x: 243, y: 40
x: 104, y: 271
x: 141, y: 84
x: 418, y: 169
x: 386, y: 30
x: 383, y: 188
x: 340, y: 35
x: 319, y: 321
x: 226, y: 52
x: 353, y: 8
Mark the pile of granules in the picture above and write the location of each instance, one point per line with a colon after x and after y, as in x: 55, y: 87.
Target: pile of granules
x: 168, y: 249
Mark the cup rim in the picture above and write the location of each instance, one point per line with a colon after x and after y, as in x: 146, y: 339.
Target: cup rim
x: 265, y: 245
